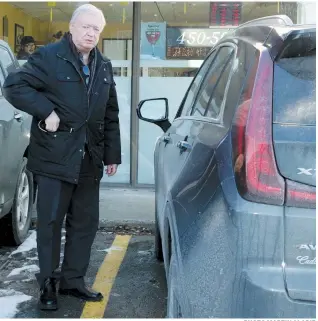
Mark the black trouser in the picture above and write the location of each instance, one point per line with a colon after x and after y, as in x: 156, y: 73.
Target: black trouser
x: 80, y: 204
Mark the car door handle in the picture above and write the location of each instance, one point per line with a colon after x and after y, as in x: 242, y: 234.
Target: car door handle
x: 182, y: 144
x: 166, y: 139
x: 18, y: 116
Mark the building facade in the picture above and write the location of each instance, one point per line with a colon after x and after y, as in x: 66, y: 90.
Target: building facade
x: 155, y: 48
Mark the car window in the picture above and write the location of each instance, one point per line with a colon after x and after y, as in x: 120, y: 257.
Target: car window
x: 206, y: 90
x: 187, y: 105
x: 219, y: 93
x: 6, y: 60
x: 242, y: 65
x: 294, y: 92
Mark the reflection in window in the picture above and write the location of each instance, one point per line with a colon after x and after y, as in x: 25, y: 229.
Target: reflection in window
x: 294, y: 92
x: 219, y: 93
x: 196, y: 85
x: 205, y: 93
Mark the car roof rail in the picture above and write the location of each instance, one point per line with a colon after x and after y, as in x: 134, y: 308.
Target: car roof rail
x: 276, y: 20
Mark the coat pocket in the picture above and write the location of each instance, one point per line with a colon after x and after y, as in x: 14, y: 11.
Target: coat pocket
x: 69, y: 85
x: 57, y: 147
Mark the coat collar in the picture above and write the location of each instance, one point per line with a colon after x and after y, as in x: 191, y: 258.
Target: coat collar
x: 65, y: 50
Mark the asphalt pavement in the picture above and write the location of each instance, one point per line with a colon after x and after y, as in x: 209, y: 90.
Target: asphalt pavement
x: 122, y: 267
x: 118, y: 206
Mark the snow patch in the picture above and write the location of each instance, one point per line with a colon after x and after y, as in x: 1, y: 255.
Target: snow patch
x: 149, y: 252
x: 34, y: 258
x: 27, y: 245
x: 9, y: 301
x: 27, y: 268
x: 113, y: 248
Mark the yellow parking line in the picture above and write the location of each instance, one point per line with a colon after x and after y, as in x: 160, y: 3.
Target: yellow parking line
x: 106, y: 276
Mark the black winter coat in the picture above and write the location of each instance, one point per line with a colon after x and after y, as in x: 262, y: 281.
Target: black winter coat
x: 51, y: 80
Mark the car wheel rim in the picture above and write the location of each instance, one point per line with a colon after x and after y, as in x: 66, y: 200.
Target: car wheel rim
x: 23, y: 199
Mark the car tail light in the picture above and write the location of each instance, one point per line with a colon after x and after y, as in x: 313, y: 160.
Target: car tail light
x: 256, y: 173
x: 300, y: 195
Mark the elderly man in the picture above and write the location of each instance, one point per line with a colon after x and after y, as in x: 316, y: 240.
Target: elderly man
x: 69, y: 89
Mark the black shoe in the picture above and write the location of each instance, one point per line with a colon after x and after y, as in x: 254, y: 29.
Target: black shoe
x: 83, y: 293
x: 48, y: 297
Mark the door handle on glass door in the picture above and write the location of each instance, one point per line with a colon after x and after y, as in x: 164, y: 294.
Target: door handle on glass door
x: 182, y: 144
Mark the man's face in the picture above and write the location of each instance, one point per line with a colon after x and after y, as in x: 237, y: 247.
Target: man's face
x: 29, y: 48
x: 86, y: 30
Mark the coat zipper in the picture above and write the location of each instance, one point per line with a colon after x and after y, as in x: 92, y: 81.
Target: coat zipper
x: 98, y: 71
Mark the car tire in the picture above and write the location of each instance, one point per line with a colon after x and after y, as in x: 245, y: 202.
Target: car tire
x: 17, y: 223
x: 158, y: 242
x: 173, y: 306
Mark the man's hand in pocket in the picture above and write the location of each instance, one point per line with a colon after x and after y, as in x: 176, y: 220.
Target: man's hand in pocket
x: 52, y: 122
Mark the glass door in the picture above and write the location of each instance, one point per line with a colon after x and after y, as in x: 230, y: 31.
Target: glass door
x: 115, y: 43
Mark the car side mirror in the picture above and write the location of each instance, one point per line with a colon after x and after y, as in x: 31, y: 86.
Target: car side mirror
x: 155, y: 111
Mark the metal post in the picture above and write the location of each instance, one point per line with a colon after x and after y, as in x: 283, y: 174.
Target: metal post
x: 135, y: 67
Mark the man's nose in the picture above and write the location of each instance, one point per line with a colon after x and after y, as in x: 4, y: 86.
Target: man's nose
x: 90, y: 32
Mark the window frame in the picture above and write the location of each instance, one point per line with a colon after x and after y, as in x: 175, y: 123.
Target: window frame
x: 250, y: 53
x: 180, y: 110
x: 230, y: 56
x: 218, y: 120
x: 220, y: 114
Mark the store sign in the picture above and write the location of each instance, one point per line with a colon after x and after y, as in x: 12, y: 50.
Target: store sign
x: 225, y: 13
x: 192, y: 43
x: 187, y: 53
x: 153, y: 40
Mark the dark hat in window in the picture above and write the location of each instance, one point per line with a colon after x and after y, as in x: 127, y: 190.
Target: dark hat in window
x: 26, y: 40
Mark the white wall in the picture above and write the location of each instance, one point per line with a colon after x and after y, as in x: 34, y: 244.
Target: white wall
x: 123, y: 87
x: 306, y: 12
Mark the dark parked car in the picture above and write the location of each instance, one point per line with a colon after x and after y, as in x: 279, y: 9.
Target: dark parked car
x: 235, y: 178
x: 16, y: 183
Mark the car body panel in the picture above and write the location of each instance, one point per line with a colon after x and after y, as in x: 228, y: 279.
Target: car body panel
x: 14, y: 140
x: 295, y: 150
x: 300, y: 253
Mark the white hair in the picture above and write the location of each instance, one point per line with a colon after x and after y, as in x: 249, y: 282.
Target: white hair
x: 85, y: 8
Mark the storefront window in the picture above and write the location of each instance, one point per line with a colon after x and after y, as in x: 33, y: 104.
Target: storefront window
x: 116, y: 44
x: 30, y: 25
x: 175, y: 39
